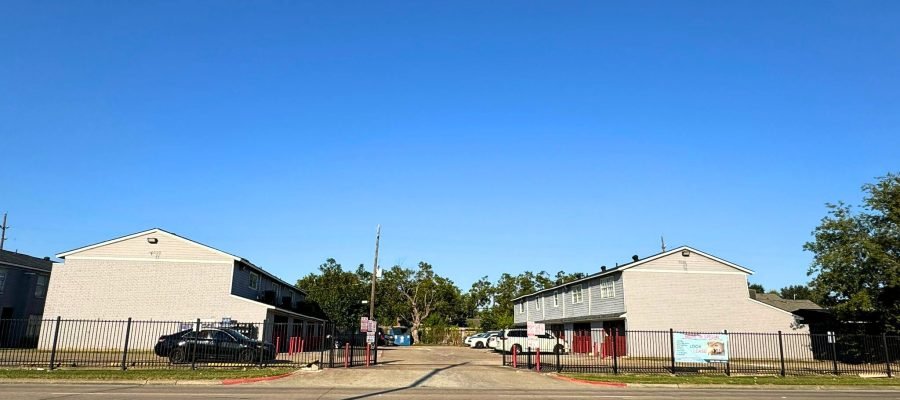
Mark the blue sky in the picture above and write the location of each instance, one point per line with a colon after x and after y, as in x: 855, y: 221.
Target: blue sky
x: 485, y: 137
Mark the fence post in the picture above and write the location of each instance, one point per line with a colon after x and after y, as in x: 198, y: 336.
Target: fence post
x: 515, y: 358
x: 347, y: 355
x: 887, y: 354
x: 672, y: 348
x: 125, y: 349
x: 781, y: 352
x: 375, y: 356
x: 727, y: 362
x: 194, y: 348
x: 615, y: 350
x: 537, y: 360
x: 528, y: 357
x: 558, y: 350
x: 331, y: 347
x: 55, y: 338
x: 833, y: 337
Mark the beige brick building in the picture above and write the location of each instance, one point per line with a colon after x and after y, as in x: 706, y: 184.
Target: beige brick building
x: 683, y: 289
x: 162, y: 277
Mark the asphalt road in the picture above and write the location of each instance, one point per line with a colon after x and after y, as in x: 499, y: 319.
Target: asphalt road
x: 123, y: 392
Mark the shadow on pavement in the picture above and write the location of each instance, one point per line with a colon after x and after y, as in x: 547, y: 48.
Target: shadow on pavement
x: 417, y: 383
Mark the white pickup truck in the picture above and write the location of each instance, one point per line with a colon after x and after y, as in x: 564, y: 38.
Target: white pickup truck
x: 518, y: 339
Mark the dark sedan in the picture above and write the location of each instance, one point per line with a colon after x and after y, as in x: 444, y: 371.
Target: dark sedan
x: 214, y: 345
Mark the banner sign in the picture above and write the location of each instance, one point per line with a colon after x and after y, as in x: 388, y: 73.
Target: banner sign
x: 701, y: 347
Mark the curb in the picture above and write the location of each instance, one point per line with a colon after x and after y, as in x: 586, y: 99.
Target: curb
x: 595, y: 383
x: 254, y: 380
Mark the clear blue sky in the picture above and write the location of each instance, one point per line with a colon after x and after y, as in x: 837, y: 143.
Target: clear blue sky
x: 486, y: 137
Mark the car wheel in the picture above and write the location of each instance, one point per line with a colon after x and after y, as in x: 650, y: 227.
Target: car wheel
x: 559, y: 349
x: 177, y: 356
x: 246, y: 356
x: 479, y: 345
x: 516, y: 348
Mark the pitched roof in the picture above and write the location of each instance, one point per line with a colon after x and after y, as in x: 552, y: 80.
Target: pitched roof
x: 24, y: 260
x: 788, y: 305
x: 632, y: 264
x: 159, y: 230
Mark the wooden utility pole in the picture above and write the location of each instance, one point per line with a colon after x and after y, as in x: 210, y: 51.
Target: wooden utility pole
x: 3, y: 232
x: 374, y: 275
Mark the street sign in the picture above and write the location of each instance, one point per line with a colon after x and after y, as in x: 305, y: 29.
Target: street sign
x: 370, y: 337
x: 364, y: 324
x: 373, y: 326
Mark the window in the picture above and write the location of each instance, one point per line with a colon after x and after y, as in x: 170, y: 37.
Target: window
x: 521, y: 307
x: 607, y: 288
x: 556, y: 298
x: 34, y: 326
x: 537, y: 302
x: 277, y: 288
x: 577, y: 294
x: 40, y: 288
x: 2, y: 280
x: 254, y: 281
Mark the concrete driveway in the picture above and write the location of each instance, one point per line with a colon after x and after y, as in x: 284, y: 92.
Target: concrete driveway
x: 426, y: 366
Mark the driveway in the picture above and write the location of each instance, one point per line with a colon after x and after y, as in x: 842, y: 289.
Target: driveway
x: 426, y: 366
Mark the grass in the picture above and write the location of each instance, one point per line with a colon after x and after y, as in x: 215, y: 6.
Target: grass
x: 148, y: 374
x: 740, y: 380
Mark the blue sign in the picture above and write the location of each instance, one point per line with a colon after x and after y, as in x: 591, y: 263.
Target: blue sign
x: 701, y: 347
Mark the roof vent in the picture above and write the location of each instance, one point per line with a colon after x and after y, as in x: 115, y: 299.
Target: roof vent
x: 634, y: 258
x: 602, y: 268
x: 46, y: 258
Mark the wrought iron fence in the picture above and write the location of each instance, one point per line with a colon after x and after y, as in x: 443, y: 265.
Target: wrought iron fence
x: 740, y: 353
x: 124, y: 344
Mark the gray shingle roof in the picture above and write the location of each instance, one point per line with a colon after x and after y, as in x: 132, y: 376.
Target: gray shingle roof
x: 24, y: 260
x: 788, y: 305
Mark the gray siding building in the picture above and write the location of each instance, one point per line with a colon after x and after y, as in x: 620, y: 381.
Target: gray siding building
x: 23, y: 290
x: 681, y: 289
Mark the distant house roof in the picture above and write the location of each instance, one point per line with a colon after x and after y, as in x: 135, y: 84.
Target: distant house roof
x: 196, y: 243
x: 788, y: 305
x: 23, y: 260
x: 619, y: 268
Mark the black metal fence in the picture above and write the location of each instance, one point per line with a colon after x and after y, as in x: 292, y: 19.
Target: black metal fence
x: 741, y: 354
x: 124, y: 344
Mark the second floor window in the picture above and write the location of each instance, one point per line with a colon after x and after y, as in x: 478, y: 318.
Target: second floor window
x: 521, y: 307
x: 607, y: 288
x: 254, y: 281
x: 40, y: 287
x: 2, y: 280
x: 537, y: 302
x: 556, y: 298
x: 577, y: 294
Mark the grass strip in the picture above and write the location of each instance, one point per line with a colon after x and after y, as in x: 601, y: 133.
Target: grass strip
x: 141, y: 374
x: 740, y: 380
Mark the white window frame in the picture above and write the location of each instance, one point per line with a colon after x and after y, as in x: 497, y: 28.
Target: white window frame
x: 556, y: 298
x: 253, y: 285
x: 522, y: 307
x: 608, y: 288
x: 40, y: 290
x: 579, y: 292
x: 537, y: 303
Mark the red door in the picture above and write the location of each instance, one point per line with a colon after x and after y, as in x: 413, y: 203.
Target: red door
x: 614, y: 331
x: 581, y: 342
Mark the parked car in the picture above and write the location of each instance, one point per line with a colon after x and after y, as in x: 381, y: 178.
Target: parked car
x: 468, y: 340
x: 518, y: 339
x: 493, y: 342
x: 168, y: 342
x: 399, y: 336
x: 482, y: 342
x: 216, y: 345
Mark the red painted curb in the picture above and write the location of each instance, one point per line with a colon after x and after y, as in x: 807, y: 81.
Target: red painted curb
x: 595, y: 383
x: 252, y: 380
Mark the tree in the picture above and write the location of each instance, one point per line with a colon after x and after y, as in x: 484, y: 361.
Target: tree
x: 420, y: 293
x: 796, y: 292
x: 339, y: 293
x: 756, y: 288
x: 856, y: 260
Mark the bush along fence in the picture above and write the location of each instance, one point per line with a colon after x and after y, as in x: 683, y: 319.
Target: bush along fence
x: 725, y: 353
x: 124, y: 344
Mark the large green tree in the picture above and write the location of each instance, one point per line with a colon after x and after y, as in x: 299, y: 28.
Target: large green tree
x: 339, y: 293
x: 856, y: 265
x: 412, y: 296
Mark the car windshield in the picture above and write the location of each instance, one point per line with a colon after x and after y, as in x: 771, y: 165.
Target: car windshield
x: 479, y: 335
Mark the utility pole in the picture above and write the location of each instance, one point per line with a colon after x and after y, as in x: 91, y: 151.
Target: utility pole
x: 374, y: 275
x: 3, y: 232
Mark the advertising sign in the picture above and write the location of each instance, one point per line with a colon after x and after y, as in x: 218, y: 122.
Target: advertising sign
x: 364, y: 324
x: 701, y: 347
x: 535, y: 329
